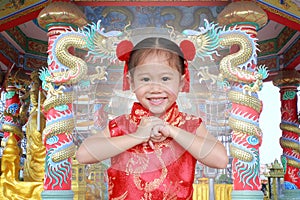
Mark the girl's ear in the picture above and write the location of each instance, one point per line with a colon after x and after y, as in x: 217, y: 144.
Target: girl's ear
x: 182, y: 82
x: 130, y: 81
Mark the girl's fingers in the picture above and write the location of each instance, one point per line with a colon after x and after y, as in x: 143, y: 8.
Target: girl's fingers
x: 151, y: 144
x: 160, y: 129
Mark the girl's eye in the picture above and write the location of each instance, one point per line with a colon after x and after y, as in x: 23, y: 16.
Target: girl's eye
x: 165, y: 78
x: 145, y: 79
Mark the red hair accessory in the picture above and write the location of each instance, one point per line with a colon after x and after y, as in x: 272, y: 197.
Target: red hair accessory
x: 123, y: 52
x: 189, y: 51
x: 125, y: 47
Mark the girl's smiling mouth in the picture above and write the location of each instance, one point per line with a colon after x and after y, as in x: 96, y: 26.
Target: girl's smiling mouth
x: 157, y: 100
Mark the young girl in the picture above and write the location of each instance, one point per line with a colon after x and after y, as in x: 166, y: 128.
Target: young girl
x: 154, y: 149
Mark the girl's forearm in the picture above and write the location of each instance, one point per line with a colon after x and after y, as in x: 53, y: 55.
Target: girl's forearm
x: 206, y: 149
x: 98, y: 147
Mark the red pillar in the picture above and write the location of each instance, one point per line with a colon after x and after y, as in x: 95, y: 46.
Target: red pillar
x: 11, y: 123
x: 288, y: 82
x: 239, y: 68
x: 57, y: 135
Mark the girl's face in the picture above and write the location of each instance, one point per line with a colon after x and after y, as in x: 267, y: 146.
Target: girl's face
x: 156, y: 84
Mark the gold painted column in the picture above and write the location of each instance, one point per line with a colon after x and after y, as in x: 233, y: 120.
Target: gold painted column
x: 246, y: 81
x: 288, y: 81
x: 11, y: 187
x: 57, y: 18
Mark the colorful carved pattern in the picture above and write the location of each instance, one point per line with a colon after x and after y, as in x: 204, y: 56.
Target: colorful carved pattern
x: 207, y: 41
x: 63, y: 66
x: 287, y: 9
x: 63, y: 70
x: 292, y: 52
x: 58, y: 112
x: 57, y: 135
x: 11, y: 121
x: 35, y: 149
x: 58, y: 141
x: 8, y: 50
x: 271, y: 63
x: 18, y: 36
x: 268, y: 47
x: 10, y: 186
x: 34, y: 62
x: 284, y: 37
x: 35, y: 46
x: 290, y: 138
x: 58, y: 171
x: 241, y: 70
x: 246, y: 139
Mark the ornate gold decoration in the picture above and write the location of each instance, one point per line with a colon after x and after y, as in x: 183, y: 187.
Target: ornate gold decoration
x: 244, y: 11
x: 11, y: 187
x: 292, y: 145
x: 35, y: 162
x: 240, y: 154
x: 77, y: 67
x: 244, y: 127
x: 12, y: 129
x: 52, y: 91
x: 290, y: 128
x: 222, y: 191
x: 79, y: 180
x: 244, y: 99
x: 66, y: 153
x: 288, y: 7
x: 61, y: 12
x: 25, y: 12
x: 293, y: 163
x: 55, y: 100
x: 206, y: 75
x: 287, y: 77
x: 239, y: 67
x: 150, y: 186
x: 36, y: 151
x: 65, y: 126
x: 120, y: 9
x: 100, y: 75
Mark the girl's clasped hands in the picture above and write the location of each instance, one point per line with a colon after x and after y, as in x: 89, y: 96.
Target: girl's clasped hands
x: 152, y: 129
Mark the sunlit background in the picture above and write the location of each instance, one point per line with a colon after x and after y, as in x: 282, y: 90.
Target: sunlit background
x: 270, y: 119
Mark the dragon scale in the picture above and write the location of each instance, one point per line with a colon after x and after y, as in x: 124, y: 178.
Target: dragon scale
x: 64, y: 67
x: 233, y: 66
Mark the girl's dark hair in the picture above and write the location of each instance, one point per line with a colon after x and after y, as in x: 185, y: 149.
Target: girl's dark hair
x: 158, y: 46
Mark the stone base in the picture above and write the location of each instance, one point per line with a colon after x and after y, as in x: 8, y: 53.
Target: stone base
x: 57, y: 195
x: 247, y: 195
x: 290, y: 195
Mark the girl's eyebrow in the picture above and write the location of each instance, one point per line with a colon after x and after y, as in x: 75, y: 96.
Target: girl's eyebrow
x: 142, y: 73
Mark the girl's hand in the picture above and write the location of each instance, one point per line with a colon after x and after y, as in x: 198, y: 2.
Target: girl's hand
x: 145, y: 127
x: 157, y: 137
x: 161, y: 130
x: 159, y: 133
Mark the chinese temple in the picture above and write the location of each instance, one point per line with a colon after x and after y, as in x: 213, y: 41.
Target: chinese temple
x: 60, y: 77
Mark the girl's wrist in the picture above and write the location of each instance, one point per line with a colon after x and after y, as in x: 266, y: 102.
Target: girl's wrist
x: 139, y: 138
x: 170, y: 130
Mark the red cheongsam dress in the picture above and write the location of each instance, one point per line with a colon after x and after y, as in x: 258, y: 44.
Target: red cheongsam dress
x: 142, y: 173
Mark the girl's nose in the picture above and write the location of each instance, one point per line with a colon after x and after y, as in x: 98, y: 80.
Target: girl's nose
x: 155, y: 87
